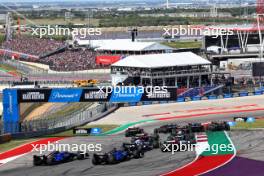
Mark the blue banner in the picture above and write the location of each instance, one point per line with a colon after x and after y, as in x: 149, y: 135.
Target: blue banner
x: 95, y: 131
x: 10, y: 111
x: 126, y: 95
x: 250, y: 120
x: 65, y: 95
x: 231, y: 123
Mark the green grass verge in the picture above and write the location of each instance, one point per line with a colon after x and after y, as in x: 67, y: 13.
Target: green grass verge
x: 243, y: 125
x: 185, y: 44
x: 8, y: 68
x: 69, y: 133
x: 14, y: 143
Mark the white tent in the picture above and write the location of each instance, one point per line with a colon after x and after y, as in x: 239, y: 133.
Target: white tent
x: 124, y: 45
x: 162, y: 60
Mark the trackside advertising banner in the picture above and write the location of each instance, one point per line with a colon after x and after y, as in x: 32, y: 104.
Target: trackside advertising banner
x: 10, y: 110
x: 13, y: 97
x: 120, y: 94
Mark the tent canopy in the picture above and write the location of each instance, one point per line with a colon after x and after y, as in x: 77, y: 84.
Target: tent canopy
x: 124, y: 45
x: 162, y: 60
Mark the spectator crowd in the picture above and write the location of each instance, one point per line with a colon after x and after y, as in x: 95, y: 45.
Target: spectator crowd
x: 68, y: 60
x: 30, y: 45
x: 71, y: 60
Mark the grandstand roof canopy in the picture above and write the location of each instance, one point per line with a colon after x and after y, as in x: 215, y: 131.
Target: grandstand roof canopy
x: 162, y: 60
x: 124, y: 45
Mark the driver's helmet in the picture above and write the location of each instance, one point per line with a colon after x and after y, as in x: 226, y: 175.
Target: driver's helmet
x: 114, y: 149
x: 138, y: 142
x: 179, y: 132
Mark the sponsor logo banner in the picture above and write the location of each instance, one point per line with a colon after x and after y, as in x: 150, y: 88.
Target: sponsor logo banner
x: 33, y: 95
x: 162, y: 94
x: 95, y: 131
x: 10, y: 110
x: 95, y: 94
x: 125, y: 95
x: 122, y: 94
x: 65, y: 95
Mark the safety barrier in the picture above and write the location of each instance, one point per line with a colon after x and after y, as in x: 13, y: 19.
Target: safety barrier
x: 199, y: 98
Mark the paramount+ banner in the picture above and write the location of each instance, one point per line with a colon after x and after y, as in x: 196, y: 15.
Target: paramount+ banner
x: 120, y: 94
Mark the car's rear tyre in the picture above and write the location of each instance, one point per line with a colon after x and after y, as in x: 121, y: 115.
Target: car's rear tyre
x: 110, y: 159
x: 155, y: 144
x: 50, y: 161
x: 138, y: 154
x: 37, y: 161
x: 95, y: 161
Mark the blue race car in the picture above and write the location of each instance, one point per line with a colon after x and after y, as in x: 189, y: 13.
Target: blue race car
x: 117, y: 156
x: 57, y: 157
x: 112, y: 157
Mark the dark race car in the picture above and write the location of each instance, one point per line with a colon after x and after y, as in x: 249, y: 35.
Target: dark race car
x: 149, y: 141
x: 218, y: 126
x: 134, y: 150
x: 57, y: 157
x: 112, y: 157
x: 130, y: 132
x: 166, y: 128
x: 174, y: 142
x: 196, y: 127
x: 116, y: 156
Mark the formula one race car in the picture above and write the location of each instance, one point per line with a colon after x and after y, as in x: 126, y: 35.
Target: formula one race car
x: 112, y: 157
x: 130, y: 132
x: 57, y: 157
x: 196, y: 127
x: 174, y: 143
x: 134, y: 150
x: 166, y: 128
x: 116, y: 156
x: 218, y: 126
x: 190, y: 137
x: 148, y: 141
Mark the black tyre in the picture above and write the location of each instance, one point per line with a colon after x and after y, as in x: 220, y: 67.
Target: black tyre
x: 50, y: 161
x: 155, y: 144
x: 37, y: 161
x: 138, y: 154
x: 95, y: 161
x: 80, y: 156
x: 110, y: 159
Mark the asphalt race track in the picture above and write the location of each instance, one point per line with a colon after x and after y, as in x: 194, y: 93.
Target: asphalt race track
x: 249, y: 144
